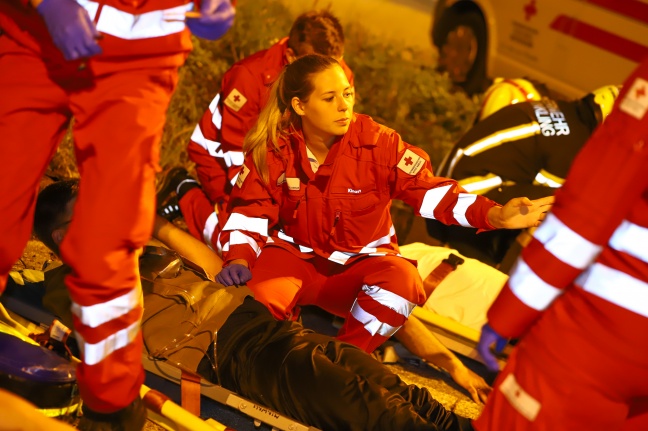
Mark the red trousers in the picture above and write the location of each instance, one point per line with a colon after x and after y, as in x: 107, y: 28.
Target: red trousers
x: 118, y: 125
x: 375, y: 294
x: 203, y: 219
x: 563, y: 376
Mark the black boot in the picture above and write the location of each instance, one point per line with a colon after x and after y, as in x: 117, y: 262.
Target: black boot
x: 130, y: 418
x: 173, y: 185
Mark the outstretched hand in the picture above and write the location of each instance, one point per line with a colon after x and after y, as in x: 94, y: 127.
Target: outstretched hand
x: 487, y: 338
x: 234, y: 273
x: 216, y: 17
x: 471, y: 382
x: 70, y: 27
x: 520, y: 213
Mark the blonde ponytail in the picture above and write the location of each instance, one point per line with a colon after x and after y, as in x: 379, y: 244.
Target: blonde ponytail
x: 269, y: 127
x: 277, y: 115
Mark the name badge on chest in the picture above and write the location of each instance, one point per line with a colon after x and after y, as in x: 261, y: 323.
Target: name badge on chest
x: 293, y: 183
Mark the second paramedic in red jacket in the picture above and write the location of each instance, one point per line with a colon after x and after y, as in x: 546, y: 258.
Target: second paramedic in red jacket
x: 310, y: 209
x: 216, y: 144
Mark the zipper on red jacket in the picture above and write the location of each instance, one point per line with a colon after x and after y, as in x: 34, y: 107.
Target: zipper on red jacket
x: 335, y: 222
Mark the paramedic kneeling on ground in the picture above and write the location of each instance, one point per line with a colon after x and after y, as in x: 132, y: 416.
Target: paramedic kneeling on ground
x: 310, y: 377
x: 310, y: 210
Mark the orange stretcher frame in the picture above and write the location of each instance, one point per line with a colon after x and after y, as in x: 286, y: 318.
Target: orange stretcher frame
x: 192, y: 387
x: 163, y: 411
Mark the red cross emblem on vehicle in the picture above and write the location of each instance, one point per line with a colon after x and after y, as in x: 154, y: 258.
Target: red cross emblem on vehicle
x: 530, y: 10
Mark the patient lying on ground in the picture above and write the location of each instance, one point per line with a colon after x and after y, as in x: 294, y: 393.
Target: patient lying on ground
x: 224, y: 335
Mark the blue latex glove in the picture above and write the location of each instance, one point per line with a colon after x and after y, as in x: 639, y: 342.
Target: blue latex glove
x: 71, y: 28
x: 486, y: 340
x: 234, y: 274
x: 216, y: 17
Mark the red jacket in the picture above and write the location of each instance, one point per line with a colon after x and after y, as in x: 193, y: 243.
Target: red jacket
x: 135, y: 34
x: 342, y: 211
x: 216, y: 145
x: 596, y: 237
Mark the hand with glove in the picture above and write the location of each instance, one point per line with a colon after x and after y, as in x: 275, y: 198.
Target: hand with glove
x: 237, y: 272
x: 216, y: 17
x: 486, y: 340
x: 130, y: 418
x: 70, y: 27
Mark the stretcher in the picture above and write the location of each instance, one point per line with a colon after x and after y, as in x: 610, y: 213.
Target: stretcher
x: 192, y: 387
x: 24, y: 318
x: 48, y: 381
x: 460, y: 291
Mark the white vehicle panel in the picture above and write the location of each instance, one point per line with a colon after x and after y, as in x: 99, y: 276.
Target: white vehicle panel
x: 574, y: 46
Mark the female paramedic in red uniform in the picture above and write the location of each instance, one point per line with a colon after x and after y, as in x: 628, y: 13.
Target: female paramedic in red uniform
x: 311, y: 207
x: 578, y: 295
x: 113, y: 66
x: 216, y: 145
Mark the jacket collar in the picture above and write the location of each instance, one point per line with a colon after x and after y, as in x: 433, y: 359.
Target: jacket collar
x: 363, y: 132
x: 274, y: 68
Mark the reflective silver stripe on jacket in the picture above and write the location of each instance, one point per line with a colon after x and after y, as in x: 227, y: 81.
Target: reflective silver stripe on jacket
x: 616, y: 287
x: 632, y: 239
x: 434, y: 196
x: 532, y: 290
x: 128, y: 26
x: 492, y: 141
x: 565, y: 244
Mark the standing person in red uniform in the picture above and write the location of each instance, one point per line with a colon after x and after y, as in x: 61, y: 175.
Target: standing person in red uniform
x: 578, y: 295
x: 216, y: 144
x: 113, y: 67
x: 310, y: 208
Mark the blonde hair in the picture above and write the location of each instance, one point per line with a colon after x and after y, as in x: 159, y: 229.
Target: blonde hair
x: 278, y: 115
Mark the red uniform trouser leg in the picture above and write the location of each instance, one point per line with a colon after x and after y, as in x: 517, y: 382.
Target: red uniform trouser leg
x: 388, y: 289
x: 33, y: 119
x: 278, y: 277
x: 119, y: 122
x: 211, y: 170
x: 563, y: 376
x: 201, y: 217
x: 374, y: 294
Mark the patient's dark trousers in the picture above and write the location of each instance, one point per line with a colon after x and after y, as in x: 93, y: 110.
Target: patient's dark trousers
x: 318, y: 380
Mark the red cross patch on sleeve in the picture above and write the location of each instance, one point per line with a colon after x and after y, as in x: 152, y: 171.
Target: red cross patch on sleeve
x: 411, y: 163
x: 235, y: 100
x: 635, y: 102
